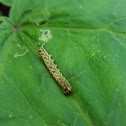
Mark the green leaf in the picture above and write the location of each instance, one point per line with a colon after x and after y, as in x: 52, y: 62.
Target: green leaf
x: 87, y: 40
x: 7, y: 2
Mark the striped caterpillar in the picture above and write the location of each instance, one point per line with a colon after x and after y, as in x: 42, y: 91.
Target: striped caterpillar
x: 60, y: 79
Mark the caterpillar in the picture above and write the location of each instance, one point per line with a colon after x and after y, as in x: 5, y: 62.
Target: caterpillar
x: 56, y: 74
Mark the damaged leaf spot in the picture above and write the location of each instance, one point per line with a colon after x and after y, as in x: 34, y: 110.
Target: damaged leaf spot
x: 45, y: 36
x: 24, y: 48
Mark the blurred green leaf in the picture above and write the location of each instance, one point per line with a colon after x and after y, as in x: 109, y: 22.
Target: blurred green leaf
x: 87, y: 40
x: 7, y: 2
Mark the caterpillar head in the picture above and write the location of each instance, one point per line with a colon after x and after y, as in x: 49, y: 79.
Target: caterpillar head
x: 67, y: 90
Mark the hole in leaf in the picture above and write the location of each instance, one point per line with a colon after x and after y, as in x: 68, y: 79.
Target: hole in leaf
x: 4, y: 10
x: 43, y: 22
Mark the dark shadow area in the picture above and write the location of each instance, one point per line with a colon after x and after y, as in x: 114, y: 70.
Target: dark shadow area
x: 4, y: 10
x: 43, y: 22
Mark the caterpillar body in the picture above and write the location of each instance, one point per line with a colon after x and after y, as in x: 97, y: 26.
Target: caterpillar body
x: 56, y: 74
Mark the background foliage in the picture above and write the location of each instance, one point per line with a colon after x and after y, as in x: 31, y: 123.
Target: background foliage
x: 88, y: 43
